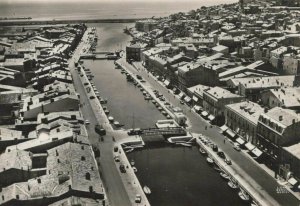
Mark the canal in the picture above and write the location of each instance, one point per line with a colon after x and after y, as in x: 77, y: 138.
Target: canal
x: 176, y: 175
x: 126, y: 102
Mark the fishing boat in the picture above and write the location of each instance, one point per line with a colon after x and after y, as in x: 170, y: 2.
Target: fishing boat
x: 147, y: 97
x: 134, y: 169
x: 164, y: 112
x: 169, y: 117
x: 209, y: 160
x: 224, y: 175
x: 244, y: 196
x: 129, y: 150
x: 202, y: 151
x: 147, y: 190
x: 232, y: 184
x: 110, y: 118
x: 153, y: 101
x: 106, y: 111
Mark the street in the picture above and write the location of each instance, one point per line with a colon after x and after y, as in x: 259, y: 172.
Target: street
x: 115, y: 189
x: 266, y: 184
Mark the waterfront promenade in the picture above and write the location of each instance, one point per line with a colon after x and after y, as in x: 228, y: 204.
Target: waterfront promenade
x: 257, y: 178
x: 117, y: 193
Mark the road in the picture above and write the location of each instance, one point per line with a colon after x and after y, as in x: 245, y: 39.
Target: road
x: 263, y: 181
x: 115, y: 189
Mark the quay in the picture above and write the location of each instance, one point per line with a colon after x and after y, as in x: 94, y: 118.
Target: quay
x: 235, y: 172
x: 119, y: 192
x: 247, y: 168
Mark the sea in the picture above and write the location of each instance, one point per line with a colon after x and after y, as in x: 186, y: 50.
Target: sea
x: 46, y: 10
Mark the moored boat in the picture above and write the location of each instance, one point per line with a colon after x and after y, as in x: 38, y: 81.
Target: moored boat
x: 110, y: 118
x: 209, y: 160
x: 202, y: 151
x: 244, y: 196
x: 224, y: 175
x: 186, y: 144
x: 116, y: 123
x: 147, y: 190
x: 134, y: 169
x: 232, y: 184
x: 132, y: 162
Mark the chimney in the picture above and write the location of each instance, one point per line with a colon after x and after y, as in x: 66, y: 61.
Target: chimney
x: 280, y: 118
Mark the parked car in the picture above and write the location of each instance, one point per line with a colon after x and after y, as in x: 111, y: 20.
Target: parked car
x: 138, y: 198
x: 87, y: 122
x: 117, y: 158
x: 100, y: 130
x: 122, y: 168
x: 92, y: 97
x: 221, y: 154
x: 237, y: 147
x: 228, y: 161
x: 116, y: 148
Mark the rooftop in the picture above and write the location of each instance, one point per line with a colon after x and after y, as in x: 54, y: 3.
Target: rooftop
x: 249, y: 110
x: 220, y: 93
x: 284, y: 117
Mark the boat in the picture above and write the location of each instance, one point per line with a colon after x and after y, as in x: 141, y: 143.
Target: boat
x: 147, y: 97
x: 202, y: 151
x: 244, y: 196
x: 185, y: 144
x: 106, y: 111
x: 160, y: 108
x: 134, y: 169
x: 232, y: 184
x: 253, y: 203
x: 169, y: 117
x: 110, y: 118
x: 132, y: 162
x: 145, y: 93
x: 217, y: 168
x: 116, y: 123
x: 209, y: 160
x: 164, y: 112
x: 129, y: 150
x: 224, y: 175
x: 147, y: 190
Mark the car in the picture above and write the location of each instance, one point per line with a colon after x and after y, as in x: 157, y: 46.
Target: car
x: 221, y: 154
x: 237, y: 147
x: 166, y: 103
x: 86, y: 83
x: 215, y: 148
x: 122, y: 168
x: 87, y: 122
x: 116, y: 148
x: 117, y: 158
x: 228, y: 161
x: 92, y: 97
x: 138, y: 198
x: 100, y: 130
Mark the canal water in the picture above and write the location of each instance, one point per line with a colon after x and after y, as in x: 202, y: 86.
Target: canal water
x: 176, y: 175
x: 126, y: 102
x: 181, y: 176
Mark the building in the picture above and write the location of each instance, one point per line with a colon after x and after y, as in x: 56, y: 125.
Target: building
x: 196, y: 94
x: 242, y: 118
x: 133, y: 52
x: 189, y: 75
x: 290, y: 164
x: 285, y: 97
x: 146, y: 25
x: 214, y: 101
x: 277, y: 128
x: 252, y: 87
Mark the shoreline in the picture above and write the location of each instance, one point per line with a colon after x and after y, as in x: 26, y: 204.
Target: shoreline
x: 66, y: 21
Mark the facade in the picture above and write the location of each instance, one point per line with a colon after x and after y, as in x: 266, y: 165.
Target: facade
x: 242, y: 118
x: 277, y: 128
x: 133, y: 52
x: 215, y: 100
x: 290, y: 162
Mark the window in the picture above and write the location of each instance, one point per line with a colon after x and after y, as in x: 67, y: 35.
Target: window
x: 87, y: 176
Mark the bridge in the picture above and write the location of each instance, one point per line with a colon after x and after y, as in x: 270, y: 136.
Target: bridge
x: 170, y: 131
